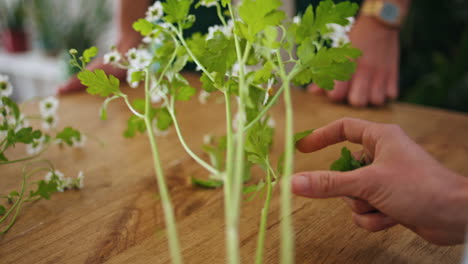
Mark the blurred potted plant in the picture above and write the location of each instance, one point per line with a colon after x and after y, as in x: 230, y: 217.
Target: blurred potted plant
x: 13, y: 35
x: 61, y: 25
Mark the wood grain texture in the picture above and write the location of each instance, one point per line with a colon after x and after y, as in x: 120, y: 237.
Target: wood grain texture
x: 117, y: 217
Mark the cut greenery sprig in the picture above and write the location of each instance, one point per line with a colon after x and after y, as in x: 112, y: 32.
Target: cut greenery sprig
x: 251, y: 60
x: 15, y: 130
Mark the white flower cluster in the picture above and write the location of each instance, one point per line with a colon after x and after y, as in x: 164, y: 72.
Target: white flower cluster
x: 6, y: 89
x: 226, y: 30
x: 155, y: 37
x: 113, y: 57
x: 208, y: 3
x: 64, y: 183
x: 139, y: 60
x: 157, y: 94
x: 339, y: 34
x: 155, y: 12
x: 48, y: 108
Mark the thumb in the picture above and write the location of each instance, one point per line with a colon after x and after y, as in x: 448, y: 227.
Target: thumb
x: 326, y: 184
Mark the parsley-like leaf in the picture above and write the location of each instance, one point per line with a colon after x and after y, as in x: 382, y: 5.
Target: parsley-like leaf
x: 89, y: 54
x: 346, y: 162
x: 303, y: 134
x: 99, y: 83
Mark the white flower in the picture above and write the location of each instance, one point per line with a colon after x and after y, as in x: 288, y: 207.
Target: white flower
x: 36, y: 147
x: 49, y: 121
x: 155, y: 12
x: 236, y: 120
x: 6, y: 89
x: 113, y: 57
x: 157, y: 96
x: 79, y: 143
x: 269, y: 90
x: 49, y: 106
x: 3, y: 135
x: 207, y: 139
x: 157, y: 131
x: 226, y: 30
x: 129, y: 79
x: 155, y: 37
x: 297, y: 20
x: 203, y: 96
x: 339, y: 34
x: 54, y: 175
x: 80, y: 180
x: 208, y: 3
x: 271, y: 122
x: 139, y: 59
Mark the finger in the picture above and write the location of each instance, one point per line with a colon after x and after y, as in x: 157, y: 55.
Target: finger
x: 378, y: 89
x: 359, y: 206
x: 373, y: 222
x: 74, y: 85
x: 313, y: 88
x: 362, y: 155
x: 340, y: 91
x: 326, y: 184
x: 392, y: 83
x: 341, y: 130
x: 359, y: 87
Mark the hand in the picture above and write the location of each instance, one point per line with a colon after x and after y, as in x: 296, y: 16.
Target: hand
x: 403, y: 184
x: 376, y: 77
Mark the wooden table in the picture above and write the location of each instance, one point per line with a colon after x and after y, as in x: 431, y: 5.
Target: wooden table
x: 117, y: 218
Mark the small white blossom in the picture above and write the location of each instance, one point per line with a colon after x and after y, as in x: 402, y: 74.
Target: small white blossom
x: 6, y: 89
x: 208, y: 3
x: 155, y: 37
x: 339, y: 34
x: 155, y: 12
x: 297, y: 20
x: 79, y: 143
x: 49, y: 106
x: 269, y: 90
x: 226, y: 30
x: 203, y: 96
x: 238, y: 118
x: 207, y: 139
x: 36, y: 147
x: 113, y: 57
x: 80, y: 180
x: 157, y: 131
x: 271, y: 122
x: 49, y: 121
x: 50, y: 176
x: 157, y: 96
x: 139, y: 59
x: 129, y: 79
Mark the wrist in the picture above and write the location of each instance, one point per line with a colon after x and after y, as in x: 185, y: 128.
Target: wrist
x: 389, y: 13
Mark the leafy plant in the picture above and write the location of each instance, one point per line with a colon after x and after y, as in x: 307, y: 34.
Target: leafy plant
x: 255, y: 37
x: 12, y: 14
x: 15, y: 130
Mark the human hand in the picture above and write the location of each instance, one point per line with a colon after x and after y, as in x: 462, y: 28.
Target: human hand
x: 376, y: 77
x: 403, y: 184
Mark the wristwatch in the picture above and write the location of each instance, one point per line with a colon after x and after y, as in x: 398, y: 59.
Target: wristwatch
x: 388, y: 12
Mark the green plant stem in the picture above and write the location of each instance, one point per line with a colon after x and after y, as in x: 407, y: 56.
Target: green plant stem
x: 16, y: 204
x: 129, y: 105
x: 287, y: 232
x: 26, y: 158
x: 169, y: 217
x: 219, y: 13
x: 194, y: 156
x: 263, y: 222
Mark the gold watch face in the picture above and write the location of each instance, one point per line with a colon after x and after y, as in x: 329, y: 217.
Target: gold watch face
x: 390, y: 13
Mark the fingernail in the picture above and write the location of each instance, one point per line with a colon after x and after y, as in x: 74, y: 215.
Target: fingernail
x: 300, y: 184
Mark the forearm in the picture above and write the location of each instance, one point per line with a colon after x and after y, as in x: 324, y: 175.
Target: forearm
x: 129, y: 11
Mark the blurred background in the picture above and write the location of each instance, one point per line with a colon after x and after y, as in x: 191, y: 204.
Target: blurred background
x: 35, y: 36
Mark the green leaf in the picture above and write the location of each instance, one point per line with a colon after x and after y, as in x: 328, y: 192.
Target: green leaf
x: 346, y: 162
x: 255, y: 159
x: 69, y: 135
x: 207, y: 84
x: 143, y: 26
x: 219, y: 54
x: 13, y: 106
x: 258, y: 14
x: 207, y: 184
x: 264, y: 73
x: 301, y: 135
x: 176, y: 10
x: 2, y: 210
x: 137, y: 76
x: 99, y: 83
x: 89, y: 54
x: 45, y: 189
x: 134, y: 125
x: 164, y: 119
x: 184, y: 93
x: 26, y: 135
